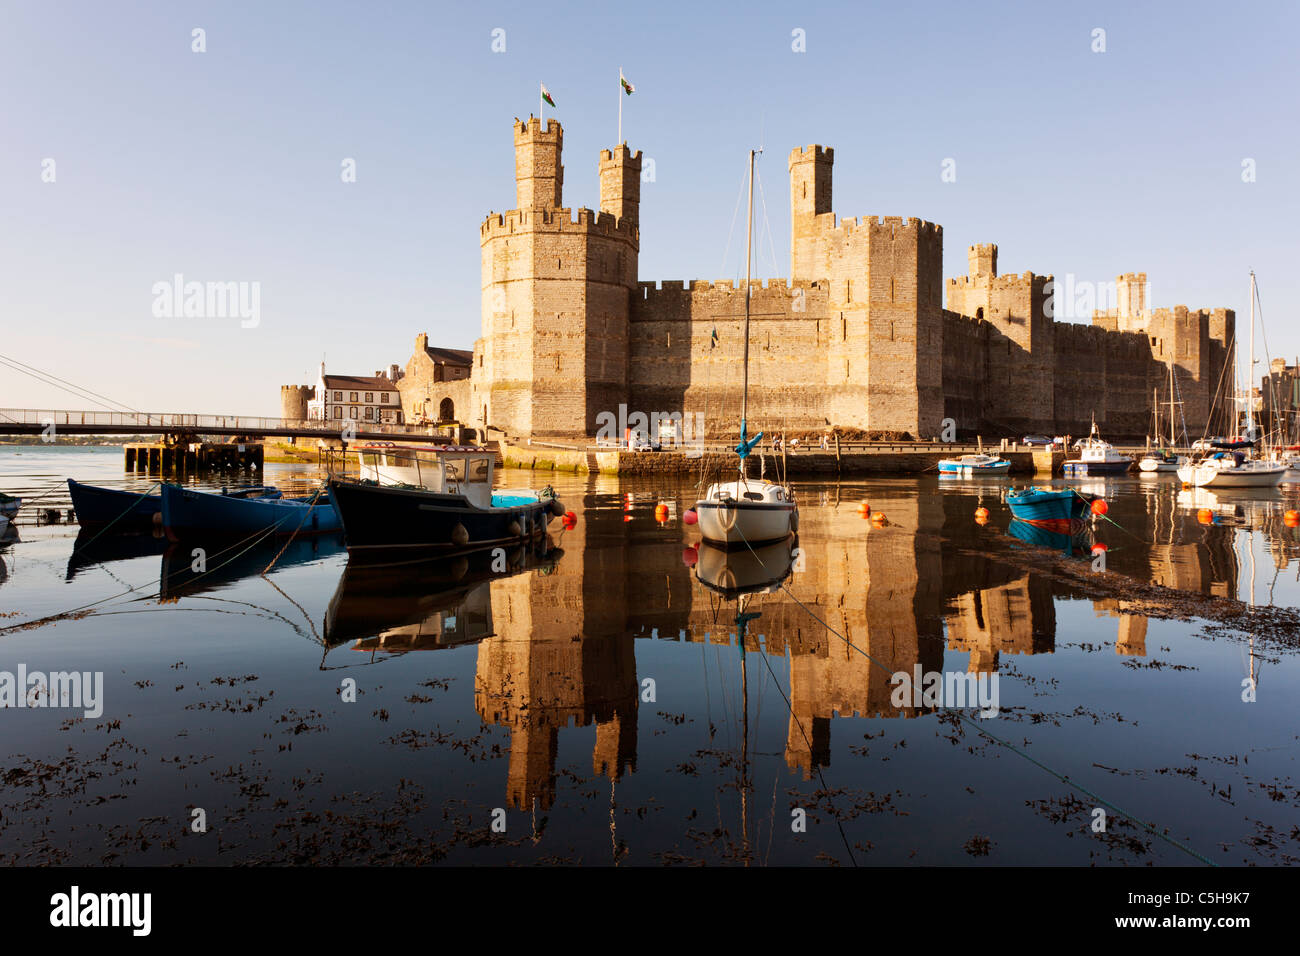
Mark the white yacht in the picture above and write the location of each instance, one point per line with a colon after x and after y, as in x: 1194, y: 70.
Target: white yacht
x: 1097, y: 457
x: 747, y: 511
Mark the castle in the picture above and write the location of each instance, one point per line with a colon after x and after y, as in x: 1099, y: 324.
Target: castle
x: 858, y: 337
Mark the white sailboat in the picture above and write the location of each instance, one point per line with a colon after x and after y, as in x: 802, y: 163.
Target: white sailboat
x: 1231, y: 468
x: 1163, y: 460
x: 747, y: 511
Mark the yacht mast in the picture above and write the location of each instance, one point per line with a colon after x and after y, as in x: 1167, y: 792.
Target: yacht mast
x: 749, y: 239
x: 1250, y: 369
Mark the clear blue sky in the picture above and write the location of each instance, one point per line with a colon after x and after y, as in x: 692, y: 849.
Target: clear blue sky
x: 225, y: 165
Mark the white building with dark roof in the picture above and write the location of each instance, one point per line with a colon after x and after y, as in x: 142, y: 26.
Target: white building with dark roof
x: 359, y: 398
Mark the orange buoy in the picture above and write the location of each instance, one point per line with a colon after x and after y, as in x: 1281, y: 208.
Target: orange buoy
x: 1205, y: 516
x: 981, y: 519
x: 1291, y: 518
x: 982, y: 513
x: 1099, y: 547
x: 879, y: 519
x: 1099, y: 506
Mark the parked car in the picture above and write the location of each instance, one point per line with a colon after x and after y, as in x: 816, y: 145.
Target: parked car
x: 1036, y: 440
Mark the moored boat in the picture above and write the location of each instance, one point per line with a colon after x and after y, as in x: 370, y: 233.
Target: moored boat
x: 1161, y: 462
x: 970, y: 465
x: 1049, y: 504
x: 747, y: 512
x: 9, y: 505
x: 98, y: 507
x: 1232, y: 470
x: 449, y: 507
x: 1097, y: 457
x: 186, y: 512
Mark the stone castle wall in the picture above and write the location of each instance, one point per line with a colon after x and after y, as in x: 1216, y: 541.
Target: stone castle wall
x: 858, y: 337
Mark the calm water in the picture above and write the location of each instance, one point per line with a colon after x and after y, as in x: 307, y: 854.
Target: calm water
x: 594, y: 700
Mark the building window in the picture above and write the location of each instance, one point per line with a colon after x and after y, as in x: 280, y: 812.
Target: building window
x: 338, y: 396
x: 370, y: 413
x: 338, y: 411
x: 352, y: 411
x: 383, y: 398
x: 370, y: 398
x: 353, y: 398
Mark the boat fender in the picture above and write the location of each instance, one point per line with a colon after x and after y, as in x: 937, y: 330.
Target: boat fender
x: 555, y: 508
x: 157, y: 519
x: 794, y: 521
x: 459, y: 536
x: 514, y: 530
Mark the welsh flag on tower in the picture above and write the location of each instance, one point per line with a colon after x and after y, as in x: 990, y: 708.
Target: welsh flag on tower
x: 628, y: 88
x: 546, y: 95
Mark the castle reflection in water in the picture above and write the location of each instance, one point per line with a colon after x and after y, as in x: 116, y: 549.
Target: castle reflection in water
x: 556, y: 635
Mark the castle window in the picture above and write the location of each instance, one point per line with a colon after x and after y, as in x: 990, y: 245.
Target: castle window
x: 848, y: 290
x: 891, y: 331
x: 979, y: 313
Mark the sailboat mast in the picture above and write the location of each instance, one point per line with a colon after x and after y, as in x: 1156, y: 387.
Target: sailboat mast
x: 749, y: 240
x: 1250, y: 369
x: 1173, y: 439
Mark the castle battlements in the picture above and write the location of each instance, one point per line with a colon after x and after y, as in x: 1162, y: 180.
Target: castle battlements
x: 1002, y: 282
x: 533, y: 127
x: 607, y: 155
x: 646, y: 290
x: 812, y: 151
x: 590, y: 222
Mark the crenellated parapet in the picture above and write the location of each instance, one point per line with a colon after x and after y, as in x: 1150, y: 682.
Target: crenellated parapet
x: 586, y: 222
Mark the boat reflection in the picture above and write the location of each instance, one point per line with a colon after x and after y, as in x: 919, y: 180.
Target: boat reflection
x: 185, y: 574
x: 427, y: 605
x: 1072, y: 537
x: 93, y: 549
x: 745, y: 570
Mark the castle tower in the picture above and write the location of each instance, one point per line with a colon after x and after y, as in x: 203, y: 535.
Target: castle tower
x: 293, y: 401
x: 539, y: 177
x: 620, y: 183
x: 556, y: 294
x: 983, y: 260
x: 810, y: 197
x: 1131, y: 298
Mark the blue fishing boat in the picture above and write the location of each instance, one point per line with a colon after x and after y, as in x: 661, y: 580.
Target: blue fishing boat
x: 1049, y: 504
x: 131, y: 510
x: 186, y: 513
x: 968, y: 466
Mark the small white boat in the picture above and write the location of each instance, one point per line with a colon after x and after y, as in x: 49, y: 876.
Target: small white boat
x: 969, y: 465
x: 746, y: 511
x: 1224, y: 470
x: 1097, y: 457
x: 1161, y: 462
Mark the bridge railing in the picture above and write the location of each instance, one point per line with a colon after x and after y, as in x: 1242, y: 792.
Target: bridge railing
x: 186, y: 421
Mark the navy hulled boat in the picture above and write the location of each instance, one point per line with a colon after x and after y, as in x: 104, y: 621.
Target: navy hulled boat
x: 435, y: 499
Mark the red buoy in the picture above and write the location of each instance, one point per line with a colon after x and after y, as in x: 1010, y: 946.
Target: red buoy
x: 1099, y: 506
x: 690, y: 517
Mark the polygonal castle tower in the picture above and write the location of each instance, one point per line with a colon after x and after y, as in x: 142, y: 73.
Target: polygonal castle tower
x: 884, y: 277
x: 556, y: 290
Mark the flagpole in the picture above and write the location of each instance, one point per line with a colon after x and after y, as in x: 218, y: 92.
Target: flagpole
x: 620, y: 106
x: 540, y: 101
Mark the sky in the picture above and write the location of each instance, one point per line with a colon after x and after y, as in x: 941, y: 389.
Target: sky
x: 1173, y: 151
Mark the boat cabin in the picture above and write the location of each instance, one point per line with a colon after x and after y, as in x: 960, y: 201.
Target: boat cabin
x: 443, y: 469
x: 747, y: 490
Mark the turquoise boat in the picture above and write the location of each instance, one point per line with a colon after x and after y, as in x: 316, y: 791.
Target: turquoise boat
x: 1049, y: 504
x: 186, y: 513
